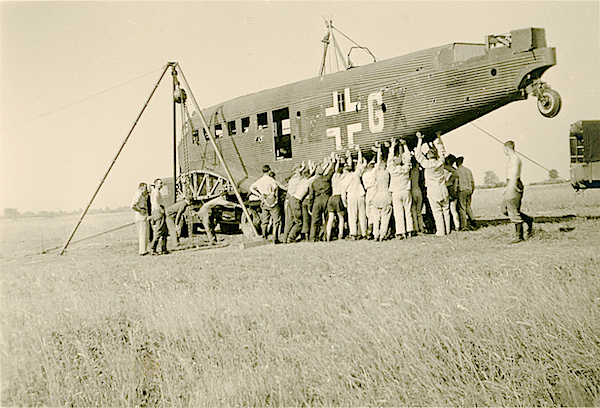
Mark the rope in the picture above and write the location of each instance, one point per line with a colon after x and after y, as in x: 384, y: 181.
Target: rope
x: 501, y: 142
x: 91, y: 236
x: 79, y: 101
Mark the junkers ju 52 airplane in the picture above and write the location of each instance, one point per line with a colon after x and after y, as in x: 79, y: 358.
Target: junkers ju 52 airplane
x: 432, y: 91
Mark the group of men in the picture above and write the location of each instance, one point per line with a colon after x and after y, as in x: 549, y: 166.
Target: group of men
x: 361, y: 198
x: 351, y: 195
x: 154, y: 221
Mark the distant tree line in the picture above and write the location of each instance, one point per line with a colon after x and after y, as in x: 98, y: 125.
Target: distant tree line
x: 491, y: 180
x: 14, y: 213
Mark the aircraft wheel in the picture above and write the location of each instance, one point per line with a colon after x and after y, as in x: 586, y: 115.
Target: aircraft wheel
x: 549, y: 103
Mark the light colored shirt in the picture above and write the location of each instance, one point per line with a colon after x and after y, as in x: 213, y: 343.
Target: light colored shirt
x: 400, y: 176
x: 302, y: 188
x: 368, y: 179
x: 352, y: 186
x: 138, y: 216
x: 265, y: 186
x: 465, y: 179
x: 382, y: 178
x: 435, y: 178
x: 156, y: 199
x: 293, y: 184
x: 337, y: 184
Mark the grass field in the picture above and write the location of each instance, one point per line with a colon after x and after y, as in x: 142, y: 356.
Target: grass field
x: 467, y: 319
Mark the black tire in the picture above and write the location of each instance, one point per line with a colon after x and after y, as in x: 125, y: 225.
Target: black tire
x: 550, y: 103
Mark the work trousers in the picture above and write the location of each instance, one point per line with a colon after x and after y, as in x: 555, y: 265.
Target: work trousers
x: 357, y: 214
x: 272, y: 214
x: 464, y: 207
x: 287, y: 222
x: 454, y: 213
x: 402, y: 205
x: 306, y: 210
x: 159, y: 230
x: 382, y: 203
x: 441, y: 215
x: 209, y: 227
x: 511, y: 203
x: 295, y: 207
x: 417, y: 209
x: 319, y: 210
x: 370, y: 209
x: 143, y: 229
x: 172, y: 228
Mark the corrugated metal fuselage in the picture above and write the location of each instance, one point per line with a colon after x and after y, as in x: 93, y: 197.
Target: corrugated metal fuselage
x: 434, y: 90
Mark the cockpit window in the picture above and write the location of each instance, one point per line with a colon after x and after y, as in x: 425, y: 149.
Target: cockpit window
x: 458, y: 52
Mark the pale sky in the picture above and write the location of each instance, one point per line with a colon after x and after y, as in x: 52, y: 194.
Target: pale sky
x: 54, y: 54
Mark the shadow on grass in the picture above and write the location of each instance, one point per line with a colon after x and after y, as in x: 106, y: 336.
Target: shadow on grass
x: 538, y: 220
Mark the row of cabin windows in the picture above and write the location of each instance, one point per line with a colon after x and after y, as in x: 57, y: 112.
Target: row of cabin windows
x: 282, y: 130
x: 262, y: 122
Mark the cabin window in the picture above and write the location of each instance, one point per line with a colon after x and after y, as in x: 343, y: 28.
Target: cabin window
x: 231, y: 128
x: 245, y: 125
x: 218, y: 130
x: 262, y: 122
x: 283, y: 134
x: 341, y: 102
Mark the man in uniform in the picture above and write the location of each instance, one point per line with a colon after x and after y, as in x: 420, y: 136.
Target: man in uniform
x: 513, y: 193
x: 141, y: 205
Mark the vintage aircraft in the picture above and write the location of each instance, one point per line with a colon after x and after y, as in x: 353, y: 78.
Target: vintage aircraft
x: 432, y: 91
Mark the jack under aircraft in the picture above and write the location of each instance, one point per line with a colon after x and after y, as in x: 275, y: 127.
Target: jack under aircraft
x: 432, y: 91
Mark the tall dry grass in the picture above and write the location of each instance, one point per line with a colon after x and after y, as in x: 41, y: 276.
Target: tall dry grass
x: 462, y: 320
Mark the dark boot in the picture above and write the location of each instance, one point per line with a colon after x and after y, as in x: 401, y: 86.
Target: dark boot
x: 518, y: 233
x: 529, y: 222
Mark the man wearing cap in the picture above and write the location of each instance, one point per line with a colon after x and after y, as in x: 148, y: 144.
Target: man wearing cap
x: 265, y: 188
x: 513, y: 193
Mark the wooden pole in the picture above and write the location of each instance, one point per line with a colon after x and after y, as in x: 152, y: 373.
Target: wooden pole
x: 218, y: 152
x: 114, y: 160
x: 174, y: 136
